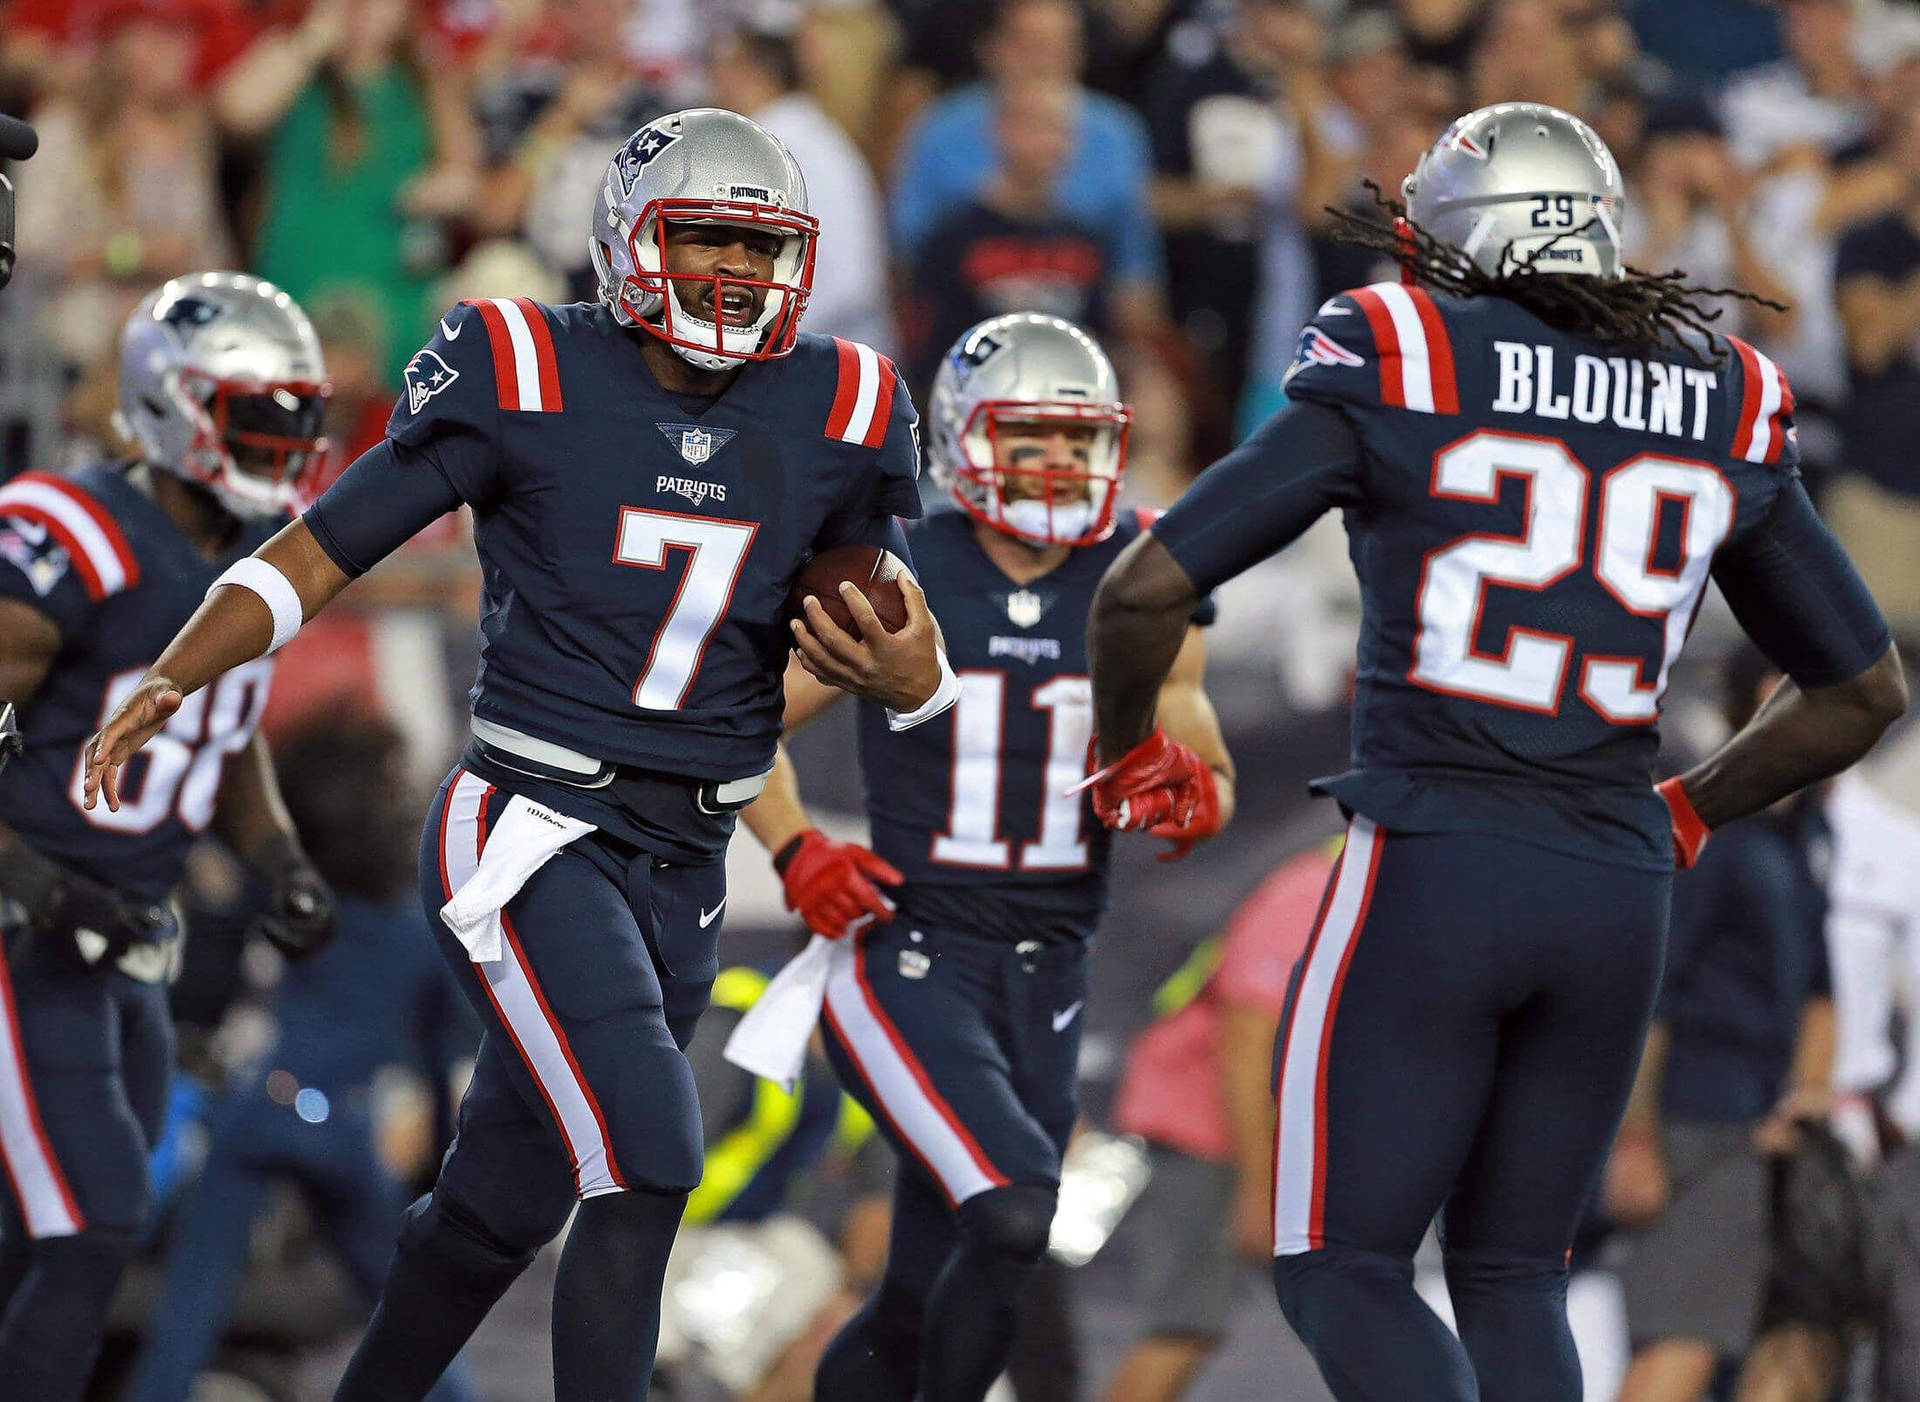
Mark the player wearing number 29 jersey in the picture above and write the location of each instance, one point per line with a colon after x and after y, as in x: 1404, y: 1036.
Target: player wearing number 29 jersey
x: 1541, y: 460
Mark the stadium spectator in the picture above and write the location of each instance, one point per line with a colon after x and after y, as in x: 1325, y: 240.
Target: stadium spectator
x: 1240, y: 160
x: 1810, y: 103
x: 1741, y: 1048
x: 1876, y: 511
x: 556, y: 91
x: 1690, y: 211
x: 1011, y: 247
x: 1197, y: 1090
x: 364, y: 149
x: 124, y: 192
x: 950, y: 155
x: 756, y: 72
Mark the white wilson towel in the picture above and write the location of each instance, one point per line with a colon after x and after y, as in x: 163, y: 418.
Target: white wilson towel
x: 522, y: 841
x: 771, y: 1040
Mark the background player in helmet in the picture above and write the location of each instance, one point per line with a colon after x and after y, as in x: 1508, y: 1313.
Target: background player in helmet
x: 955, y: 1016
x: 1540, y: 458
x: 221, y: 389
x: 646, y: 474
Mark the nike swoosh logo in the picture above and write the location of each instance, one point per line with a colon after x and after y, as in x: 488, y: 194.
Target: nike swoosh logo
x: 707, y: 917
x: 452, y: 333
x: 1061, y: 1019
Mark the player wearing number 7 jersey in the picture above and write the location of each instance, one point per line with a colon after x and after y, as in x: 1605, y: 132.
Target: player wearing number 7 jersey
x: 646, y: 475
x: 221, y: 392
x: 952, y: 1010
x: 1542, y: 456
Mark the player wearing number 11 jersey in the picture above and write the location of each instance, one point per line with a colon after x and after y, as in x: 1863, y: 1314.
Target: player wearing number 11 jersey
x: 646, y: 475
x: 952, y: 1011
x: 1542, y: 456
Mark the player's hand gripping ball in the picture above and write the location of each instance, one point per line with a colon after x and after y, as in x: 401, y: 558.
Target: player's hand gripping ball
x: 860, y: 623
x: 1159, y: 787
x: 830, y: 885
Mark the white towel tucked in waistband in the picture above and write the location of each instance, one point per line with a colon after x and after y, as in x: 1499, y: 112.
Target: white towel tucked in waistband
x: 521, y: 841
x: 771, y: 1040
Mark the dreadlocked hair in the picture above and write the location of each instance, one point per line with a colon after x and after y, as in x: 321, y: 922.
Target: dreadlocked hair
x: 1653, y: 313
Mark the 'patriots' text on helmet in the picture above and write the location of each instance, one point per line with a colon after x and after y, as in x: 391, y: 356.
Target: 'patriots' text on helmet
x: 1522, y: 184
x: 1005, y: 387
x: 222, y: 383
x: 704, y: 166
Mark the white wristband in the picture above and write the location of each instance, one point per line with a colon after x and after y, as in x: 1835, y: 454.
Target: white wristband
x: 943, y: 696
x: 281, y: 598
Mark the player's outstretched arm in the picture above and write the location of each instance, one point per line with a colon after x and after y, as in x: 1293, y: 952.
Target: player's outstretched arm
x: 1135, y: 631
x: 235, y: 624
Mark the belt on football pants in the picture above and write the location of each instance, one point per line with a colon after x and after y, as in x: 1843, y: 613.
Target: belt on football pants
x: 543, y: 759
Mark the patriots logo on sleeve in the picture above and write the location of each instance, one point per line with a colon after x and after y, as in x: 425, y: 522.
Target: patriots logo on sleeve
x: 1318, y: 348
x: 427, y: 374
x: 28, y: 547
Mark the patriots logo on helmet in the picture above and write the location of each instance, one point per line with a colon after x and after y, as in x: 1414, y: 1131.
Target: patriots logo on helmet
x: 640, y: 149
x: 1458, y: 140
x: 1318, y: 348
x: 427, y: 374
x: 184, y: 314
x: 975, y: 352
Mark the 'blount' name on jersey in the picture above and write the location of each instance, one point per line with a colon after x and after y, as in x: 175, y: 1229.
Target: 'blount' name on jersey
x: 1647, y: 396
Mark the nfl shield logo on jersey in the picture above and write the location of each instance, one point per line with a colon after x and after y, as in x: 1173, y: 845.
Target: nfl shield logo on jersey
x: 1024, y: 608
x: 427, y: 374
x: 696, y: 445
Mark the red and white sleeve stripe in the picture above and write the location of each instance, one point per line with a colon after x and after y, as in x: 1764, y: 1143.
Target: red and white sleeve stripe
x: 1766, y: 402
x: 1413, y: 348
x: 525, y: 368
x: 100, y: 553
x: 862, y: 396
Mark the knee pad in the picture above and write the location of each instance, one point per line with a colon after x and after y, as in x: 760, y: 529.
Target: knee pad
x: 1303, y: 1280
x: 441, y: 1225
x: 1014, y: 1222
x: 1503, y: 1273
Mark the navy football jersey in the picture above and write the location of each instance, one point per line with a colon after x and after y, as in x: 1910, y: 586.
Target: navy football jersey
x: 1533, y: 522
x: 97, y: 555
x: 972, y: 806
x: 636, y: 546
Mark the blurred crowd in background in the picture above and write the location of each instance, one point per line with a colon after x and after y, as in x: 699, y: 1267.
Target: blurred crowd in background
x: 1168, y: 174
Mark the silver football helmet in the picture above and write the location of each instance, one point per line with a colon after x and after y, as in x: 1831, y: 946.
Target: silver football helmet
x: 1522, y: 184
x: 222, y: 383
x: 704, y: 166
x: 1004, y: 387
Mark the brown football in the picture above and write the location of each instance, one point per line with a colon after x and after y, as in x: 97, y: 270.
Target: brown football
x: 875, y: 571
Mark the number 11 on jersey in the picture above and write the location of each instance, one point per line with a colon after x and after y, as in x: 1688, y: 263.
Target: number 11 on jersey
x: 972, y: 838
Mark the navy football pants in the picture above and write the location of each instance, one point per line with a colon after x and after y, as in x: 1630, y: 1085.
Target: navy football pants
x: 964, y: 1049
x: 1463, y: 1029
x: 84, y: 1061
x: 580, y: 1092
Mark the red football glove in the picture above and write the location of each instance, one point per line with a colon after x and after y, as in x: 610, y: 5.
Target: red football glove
x: 830, y: 884
x: 1159, y: 787
x: 1689, y: 833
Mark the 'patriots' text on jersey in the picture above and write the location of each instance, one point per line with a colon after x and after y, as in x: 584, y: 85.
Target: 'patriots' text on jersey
x: 972, y: 806
x: 636, y: 545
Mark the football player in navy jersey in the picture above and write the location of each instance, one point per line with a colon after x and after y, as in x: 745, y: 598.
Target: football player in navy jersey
x: 1542, y: 456
x: 952, y: 1012
x: 647, y: 474
x: 221, y: 393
